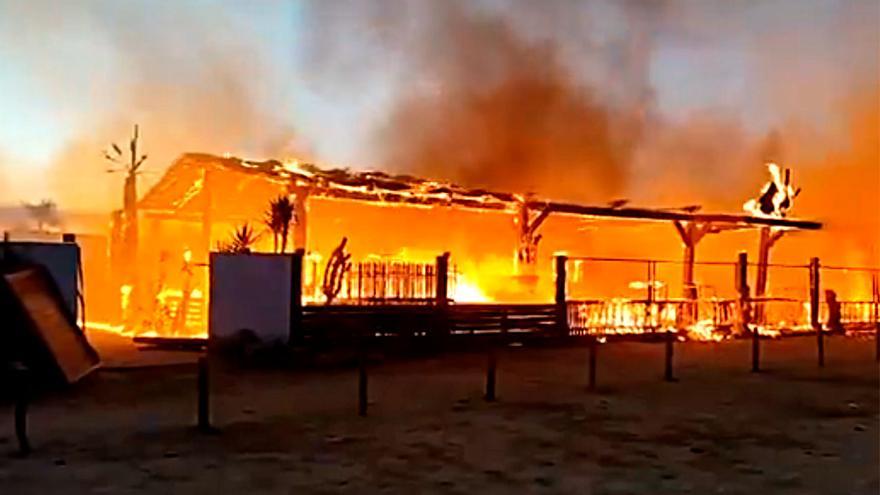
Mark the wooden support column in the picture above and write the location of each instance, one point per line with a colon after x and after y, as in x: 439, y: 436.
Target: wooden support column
x: 295, y: 333
x: 527, y: 243
x: 769, y: 236
x: 691, y: 233
x: 561, y: 304
x: 207, y: 211
x: 814, y: 311
x: 301, y: 215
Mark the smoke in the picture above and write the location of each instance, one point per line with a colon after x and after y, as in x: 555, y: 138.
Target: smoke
x: 481, y: 102
x: 668, y: 103
x: 190, y: 75
x: 562, y: 97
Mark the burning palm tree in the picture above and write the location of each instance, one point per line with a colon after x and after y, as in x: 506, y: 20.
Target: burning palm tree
x: 131, y: 166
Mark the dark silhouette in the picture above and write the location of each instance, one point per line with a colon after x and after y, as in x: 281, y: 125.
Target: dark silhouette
x: 834, y: 323
x: 278, y: 218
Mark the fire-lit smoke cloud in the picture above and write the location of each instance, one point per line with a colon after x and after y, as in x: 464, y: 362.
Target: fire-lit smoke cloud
x: 482, y: 102
x: 189, y: 74
x: 607, y: 95
x: 667, y: 103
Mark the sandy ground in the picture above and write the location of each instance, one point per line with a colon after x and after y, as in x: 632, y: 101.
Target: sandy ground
x: 719, y: 429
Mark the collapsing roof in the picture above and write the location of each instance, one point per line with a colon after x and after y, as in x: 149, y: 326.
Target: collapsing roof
x: 181, y: 192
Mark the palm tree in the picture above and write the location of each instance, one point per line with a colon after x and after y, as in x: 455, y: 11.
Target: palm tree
x: 274, y: 222
x: 243, y: 239
x: 131, y: 167
x: 278, y: 218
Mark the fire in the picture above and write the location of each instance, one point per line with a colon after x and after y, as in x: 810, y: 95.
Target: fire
x: 776, y: 196
x: 466, y: 291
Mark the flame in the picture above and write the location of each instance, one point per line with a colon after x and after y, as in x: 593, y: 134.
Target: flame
x: 780, y: 201
x: 467, y: 291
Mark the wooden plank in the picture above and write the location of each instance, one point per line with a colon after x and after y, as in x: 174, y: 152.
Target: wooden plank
x: 659, y: 214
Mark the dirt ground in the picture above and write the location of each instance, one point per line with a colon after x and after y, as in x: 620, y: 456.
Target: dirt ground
x: 719, y: 429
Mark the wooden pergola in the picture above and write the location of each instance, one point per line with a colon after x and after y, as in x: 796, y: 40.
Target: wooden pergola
x: 191, y: 186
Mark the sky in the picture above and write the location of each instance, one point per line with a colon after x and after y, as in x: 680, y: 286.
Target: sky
x: 74, y: 73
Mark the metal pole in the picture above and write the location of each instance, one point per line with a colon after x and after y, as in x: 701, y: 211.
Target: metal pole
x: 594, y: 348
x: 491, y: 363
x: 814, y: 310
x: 670, y: 341
x: 204, y: 400
x: 362, y: 379
x: 742, y: 270
x: 296, y: 306
x: 22, y: 398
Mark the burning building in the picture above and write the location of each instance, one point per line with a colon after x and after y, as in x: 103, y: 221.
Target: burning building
x: 395, y: 226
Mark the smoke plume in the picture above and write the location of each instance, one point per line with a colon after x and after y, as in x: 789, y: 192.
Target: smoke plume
x: 481, y: 103
x: 190, y: 76
x: 561, y: 98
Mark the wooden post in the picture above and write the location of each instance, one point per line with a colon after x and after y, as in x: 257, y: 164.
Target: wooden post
x: 441, y: 280
x: 561, y: 305
x: 594, y: 348
x: 490, y: 373
x: 294, y: 331
x: 814, y: 310
x: 22, y: 379
x: 441, y: 294
x: 204, y: 400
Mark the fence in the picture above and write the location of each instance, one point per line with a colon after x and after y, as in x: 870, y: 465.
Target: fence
x: 623, y: 296
x: 375, y: 282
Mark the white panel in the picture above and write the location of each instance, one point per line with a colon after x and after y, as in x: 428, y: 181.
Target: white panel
x: 252, y: 292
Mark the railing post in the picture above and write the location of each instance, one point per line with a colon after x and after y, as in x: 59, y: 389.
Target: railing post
x: 814, y: 310
x: 296, y: 307
x: 560, y: 300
